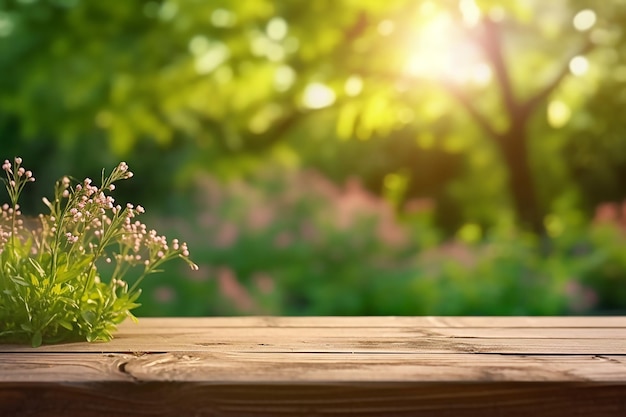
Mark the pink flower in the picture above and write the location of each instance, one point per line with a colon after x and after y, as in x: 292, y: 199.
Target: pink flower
x: 231, y: 288
x: 283, y: 239
x: 264, y: 282
x: 226, y: 235
x: 164, y: 294
x: 260, y: 217
x: 71, y: 238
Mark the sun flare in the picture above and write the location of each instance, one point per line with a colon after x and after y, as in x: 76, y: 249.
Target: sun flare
x: 439, y: 50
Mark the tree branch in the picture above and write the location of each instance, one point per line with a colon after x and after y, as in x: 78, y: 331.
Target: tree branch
x: 465, y: 100
x: 258, y: 142
x: 490, y: 41
x: 529, y: 105
x: 358, y: 28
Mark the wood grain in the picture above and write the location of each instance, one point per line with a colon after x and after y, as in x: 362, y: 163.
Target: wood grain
x: 309, y: 367
x: 268, y: 366
x: 610, y: 322
x: 508, y: 335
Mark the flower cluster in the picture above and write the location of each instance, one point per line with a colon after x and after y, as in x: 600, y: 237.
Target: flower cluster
x: 20, y: 172
x: 58, y: 262
x: 17, y: 177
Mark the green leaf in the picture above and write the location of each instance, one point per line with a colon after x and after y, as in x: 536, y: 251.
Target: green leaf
x: 88, y: 316
x: 20, y: 281
x: 67, y: 273
x: 38, y: 268
x: 36, y: 339
x: 34, y: 280
x: 66, y: 324
x: 69, y: 302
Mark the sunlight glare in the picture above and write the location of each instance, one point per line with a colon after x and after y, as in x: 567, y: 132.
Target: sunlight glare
x: 284, y: 77
x: 199, y: 44
x: 262, y: 45
x: 432, y: 52
x: 428, y: 8
x: 559, y: 114
x: 168, y: 11
x: 584, y: 20
x: 223, y: 18
x: 386, y: 27
x: 579, y: 65
x: 276, y: 29
x: 215, y: 54
x: 481, y: 74
x: 470, y: 11
x: 439, y: 51
x: 318, y: 96
x: 353, y: 86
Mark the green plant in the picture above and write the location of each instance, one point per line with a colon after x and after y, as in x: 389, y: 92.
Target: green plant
x: 290, y: 242
x: 51, y: 285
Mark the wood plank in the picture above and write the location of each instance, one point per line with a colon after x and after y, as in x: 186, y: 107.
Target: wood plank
x: 256, y: 367
x: 173, y: 338
x: 381, y: 321
x: 531, y: 333
x: 172, y: 328
x: 272, y: 400
x: 269, y: 366
x: 62, y: 368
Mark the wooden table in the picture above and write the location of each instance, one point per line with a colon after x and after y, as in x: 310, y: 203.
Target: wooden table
x: 357, y: 366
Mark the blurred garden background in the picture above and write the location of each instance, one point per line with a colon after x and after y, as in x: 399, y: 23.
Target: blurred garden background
x: 341, y: 157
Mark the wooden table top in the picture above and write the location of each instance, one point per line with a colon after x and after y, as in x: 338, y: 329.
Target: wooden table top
x: 327, y: 366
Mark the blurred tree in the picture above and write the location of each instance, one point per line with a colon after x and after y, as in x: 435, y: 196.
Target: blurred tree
x: 496, y: 82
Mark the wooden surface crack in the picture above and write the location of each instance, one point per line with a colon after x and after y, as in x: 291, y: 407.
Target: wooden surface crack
x: 122, y: 367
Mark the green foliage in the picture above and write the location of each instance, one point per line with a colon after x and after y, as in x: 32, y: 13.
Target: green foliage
x: 416, y: 98
x: 291, y: 243
x: 606, y: 276
x: 51, y: 288
x: 231, y: 78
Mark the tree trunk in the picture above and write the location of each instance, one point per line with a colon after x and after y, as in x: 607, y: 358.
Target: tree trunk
x: 514, y: 148
x: 513, y: 143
